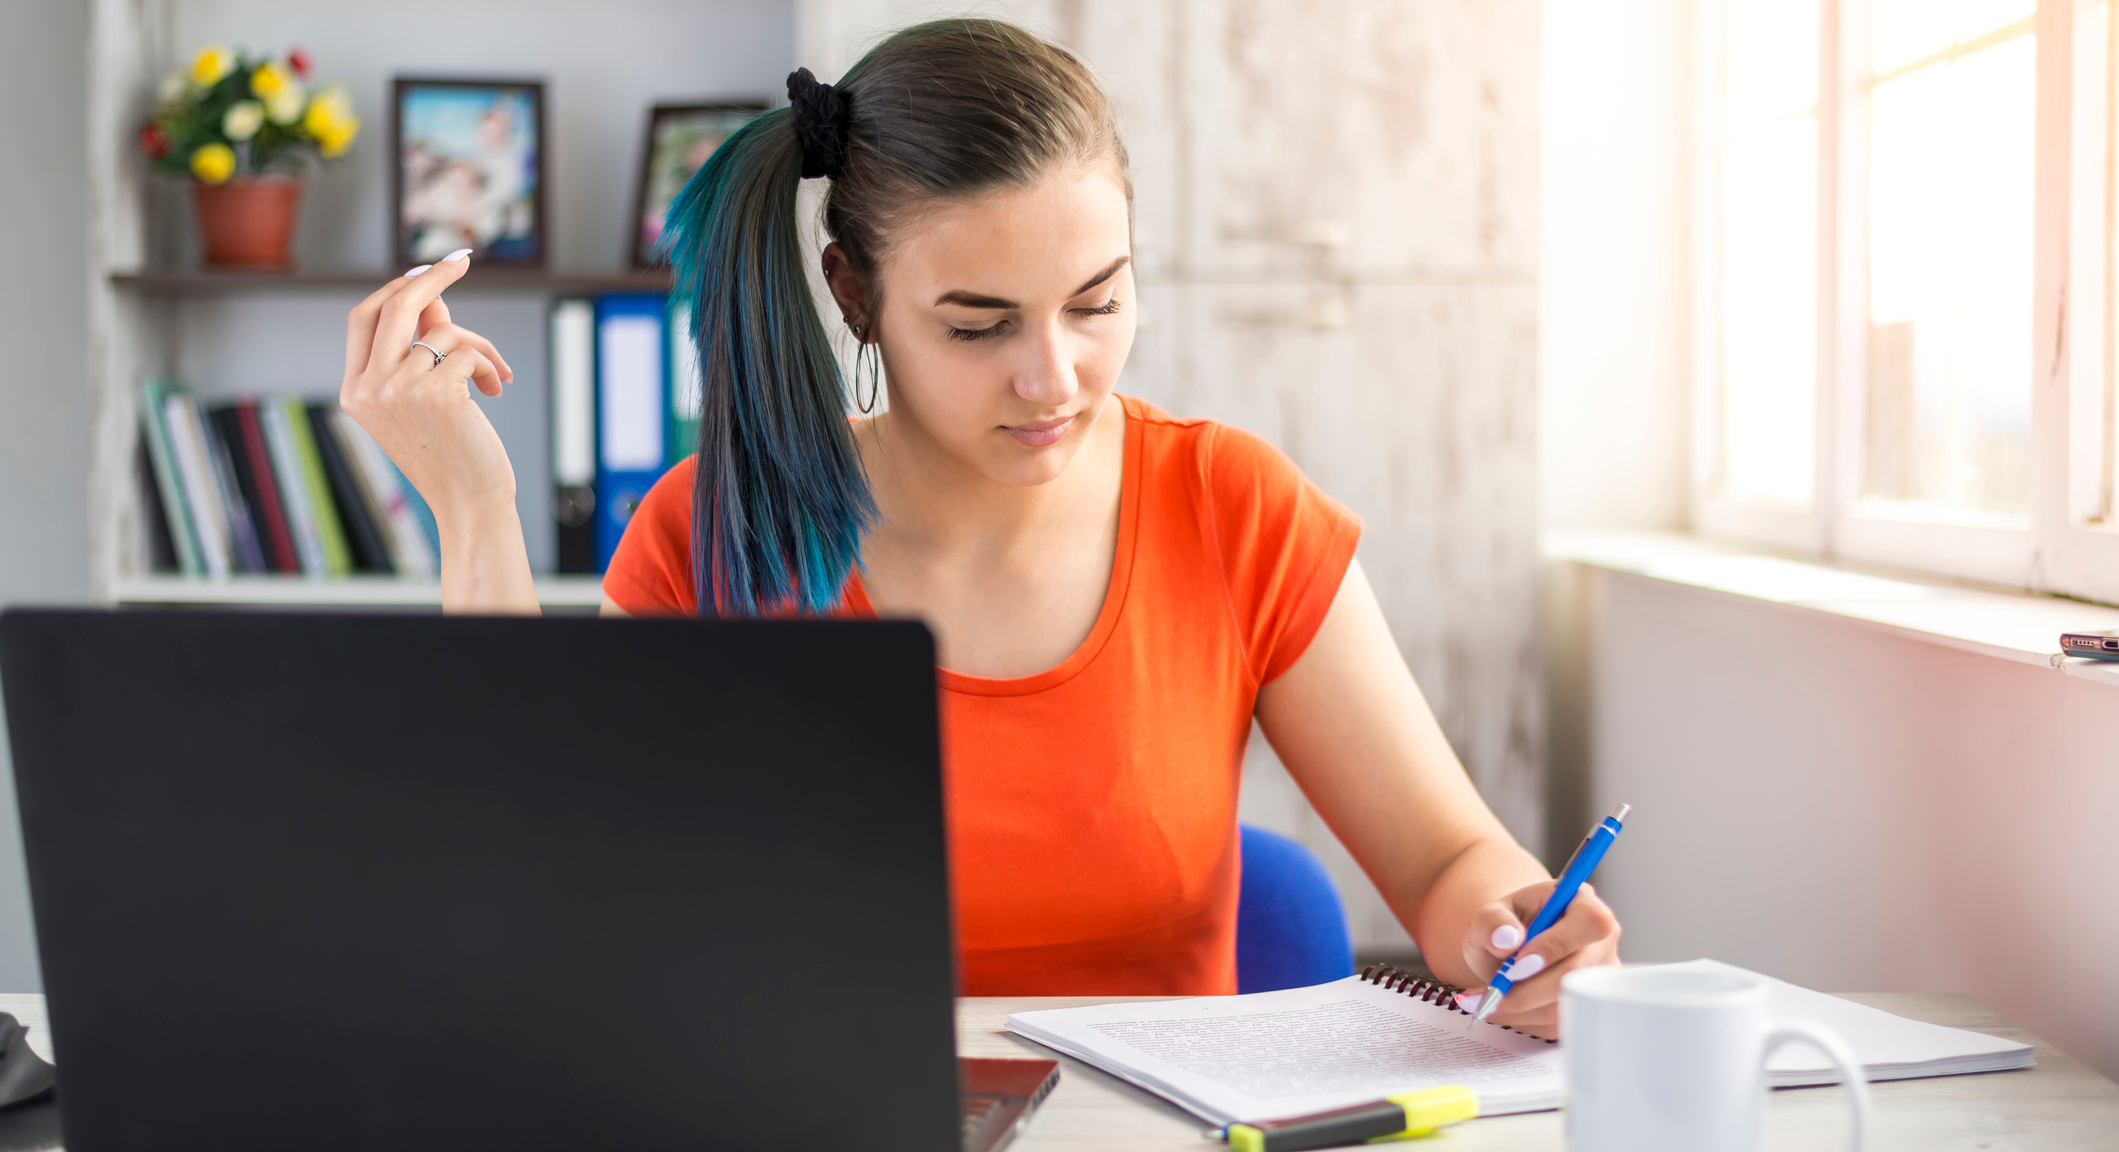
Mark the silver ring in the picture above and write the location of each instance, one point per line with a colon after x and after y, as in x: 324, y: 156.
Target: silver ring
x: 438, y: 356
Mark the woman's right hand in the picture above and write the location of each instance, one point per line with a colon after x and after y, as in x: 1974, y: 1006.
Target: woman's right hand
x: 421, y: 411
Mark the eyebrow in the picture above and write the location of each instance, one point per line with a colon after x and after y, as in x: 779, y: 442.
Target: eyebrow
x: 974, y: 300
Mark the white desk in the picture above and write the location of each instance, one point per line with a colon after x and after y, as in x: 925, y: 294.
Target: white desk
x: 2060, y: 1104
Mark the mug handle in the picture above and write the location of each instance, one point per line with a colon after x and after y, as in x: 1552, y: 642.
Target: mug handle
x: 1835, y: 1049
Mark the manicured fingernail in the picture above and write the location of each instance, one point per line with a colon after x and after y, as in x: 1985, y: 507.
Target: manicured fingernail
x: 456, y: 257
x: 409, y: 272
x: 1469, y: 1001
x: 1527, y: 965
x: 1506, y: 937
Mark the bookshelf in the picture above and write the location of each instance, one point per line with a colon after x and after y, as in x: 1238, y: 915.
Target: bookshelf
x: 162, y: 590
x: 154, y: 311
x: 201, y: 282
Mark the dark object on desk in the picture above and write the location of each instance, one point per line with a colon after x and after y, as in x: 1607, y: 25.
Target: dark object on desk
x: 999, y: 1096
x: 444, y: 883
x: 29, y: 1106
x: 2091, y: 645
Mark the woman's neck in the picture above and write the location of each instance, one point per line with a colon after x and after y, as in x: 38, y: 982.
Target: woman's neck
x: 931, y: 503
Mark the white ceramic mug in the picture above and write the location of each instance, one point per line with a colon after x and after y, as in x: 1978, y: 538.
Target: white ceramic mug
x: 1666, y: 1060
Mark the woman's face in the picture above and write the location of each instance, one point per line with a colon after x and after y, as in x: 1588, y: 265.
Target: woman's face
x: 1006, y: 320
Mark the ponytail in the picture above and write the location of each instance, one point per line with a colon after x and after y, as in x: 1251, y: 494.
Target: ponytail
x: 946, y: 110
x: 780, y: 501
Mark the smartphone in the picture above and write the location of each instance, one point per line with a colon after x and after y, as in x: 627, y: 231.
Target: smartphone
x: 2095, y: 645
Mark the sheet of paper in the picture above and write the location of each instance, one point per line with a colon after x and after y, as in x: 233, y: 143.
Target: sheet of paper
x: 1889, y: 1047
x: 1300, y: 1050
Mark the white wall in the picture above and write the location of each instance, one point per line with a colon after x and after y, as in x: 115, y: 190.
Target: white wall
x: 44, y: 368
x: 1855, y: 811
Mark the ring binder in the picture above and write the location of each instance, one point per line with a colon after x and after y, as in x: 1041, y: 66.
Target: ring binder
x: 1428, y: 989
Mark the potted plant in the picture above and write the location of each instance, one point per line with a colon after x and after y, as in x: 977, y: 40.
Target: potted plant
x: 243, y: 131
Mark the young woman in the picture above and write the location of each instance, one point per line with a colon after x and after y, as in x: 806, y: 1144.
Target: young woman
x: 1115, y: 592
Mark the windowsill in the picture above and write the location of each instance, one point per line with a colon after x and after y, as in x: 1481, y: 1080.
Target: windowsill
x: 2012, y: 626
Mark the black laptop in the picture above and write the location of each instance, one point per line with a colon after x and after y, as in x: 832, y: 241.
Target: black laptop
x: 400, y: 883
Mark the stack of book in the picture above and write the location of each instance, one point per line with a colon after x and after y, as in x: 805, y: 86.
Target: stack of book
x: 277, y: 485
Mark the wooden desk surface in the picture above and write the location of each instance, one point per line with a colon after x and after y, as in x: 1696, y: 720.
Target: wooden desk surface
x: 2059, y: 1104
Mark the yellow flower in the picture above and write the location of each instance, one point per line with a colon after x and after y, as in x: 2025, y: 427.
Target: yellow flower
x: 330, y: 122
x: 327, y: 109
x: 270, y: 80
x: 213, y: 62
x: 213, y: 163
x: 285, y: 106
x: 340, y: 138
x: 243, y: 120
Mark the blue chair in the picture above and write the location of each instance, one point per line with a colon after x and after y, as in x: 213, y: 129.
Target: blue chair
x: 1290, y: 926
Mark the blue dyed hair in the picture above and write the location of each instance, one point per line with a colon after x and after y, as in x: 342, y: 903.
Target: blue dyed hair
x: 947, y: 110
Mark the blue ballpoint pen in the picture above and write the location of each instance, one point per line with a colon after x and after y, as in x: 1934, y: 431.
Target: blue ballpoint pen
x: 1584, y: 861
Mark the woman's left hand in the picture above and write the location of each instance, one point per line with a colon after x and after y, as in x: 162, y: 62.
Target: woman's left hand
x: 1586, y: 936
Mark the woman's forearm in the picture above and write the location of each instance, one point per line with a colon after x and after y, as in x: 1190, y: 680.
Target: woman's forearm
x: 485, y: 566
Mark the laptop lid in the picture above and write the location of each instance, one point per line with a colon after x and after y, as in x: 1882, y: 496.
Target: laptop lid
x: 339, y: 882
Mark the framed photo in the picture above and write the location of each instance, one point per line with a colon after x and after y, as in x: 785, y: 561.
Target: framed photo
x: 679, y: 139
x: 470, y: 170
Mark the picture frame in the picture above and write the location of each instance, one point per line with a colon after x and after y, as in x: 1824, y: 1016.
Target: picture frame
x: 678, y: 140
x: 468, y: 170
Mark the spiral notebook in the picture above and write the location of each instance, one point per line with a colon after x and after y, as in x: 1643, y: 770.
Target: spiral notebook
x: 1230, y: 1058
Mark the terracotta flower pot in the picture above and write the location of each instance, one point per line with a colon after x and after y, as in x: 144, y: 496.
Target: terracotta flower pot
x: 248, y: 223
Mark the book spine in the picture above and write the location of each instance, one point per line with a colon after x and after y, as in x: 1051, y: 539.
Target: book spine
x: 169, y: 482
x: 294, y: 491
x: 338, y: 558
x: 244, y: 553
x: 221, y: 422
x: 369, y: 555
x: 199, y: 484
x: 687, y: 387
x: 571, y: 330
x: 401, y: 532
x: 632, y: 401
x: 279, y: 537
x: 161, y: 548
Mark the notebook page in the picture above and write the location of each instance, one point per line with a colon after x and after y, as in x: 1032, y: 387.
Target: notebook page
x: 1272, y: 1054
x: 1889, y: 1047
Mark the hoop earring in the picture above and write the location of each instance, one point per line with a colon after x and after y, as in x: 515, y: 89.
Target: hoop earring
x: 868, y: 354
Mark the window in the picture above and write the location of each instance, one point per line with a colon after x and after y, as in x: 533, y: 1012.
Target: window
x: 1906, y: 229
x: 1766, y: 177
x: 1952, y: 102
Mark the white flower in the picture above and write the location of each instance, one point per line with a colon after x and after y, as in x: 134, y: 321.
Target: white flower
x: 244, y: 119
x: 286, y: 105
x: 175, y: 86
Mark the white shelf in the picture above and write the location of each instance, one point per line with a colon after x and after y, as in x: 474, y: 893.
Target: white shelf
x: 351, y: 592
x: 2013, y: 626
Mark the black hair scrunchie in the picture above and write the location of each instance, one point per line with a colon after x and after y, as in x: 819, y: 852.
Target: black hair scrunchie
x: 822, y: 119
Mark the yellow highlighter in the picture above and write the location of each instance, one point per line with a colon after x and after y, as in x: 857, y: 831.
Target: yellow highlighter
x: 1396, y: 1117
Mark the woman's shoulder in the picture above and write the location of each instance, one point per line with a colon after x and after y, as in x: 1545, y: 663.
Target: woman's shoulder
x: 1227, y: 462
x: 650, y: 574
x: 1279, y: 544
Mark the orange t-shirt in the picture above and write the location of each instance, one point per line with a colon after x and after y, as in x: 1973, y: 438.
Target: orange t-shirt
x: 1092, y: 806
